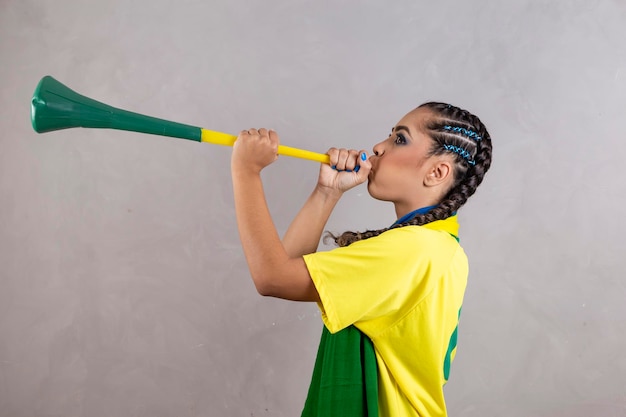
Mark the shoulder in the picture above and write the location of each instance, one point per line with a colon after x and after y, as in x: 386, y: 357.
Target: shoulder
x: 399, y: 246
x: 411, y: 237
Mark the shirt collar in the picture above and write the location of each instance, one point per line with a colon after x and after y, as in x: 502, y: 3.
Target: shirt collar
x: 412, y: 214
x: 450, y: 224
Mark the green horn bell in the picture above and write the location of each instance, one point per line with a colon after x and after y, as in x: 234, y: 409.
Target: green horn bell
x: 55, y: 106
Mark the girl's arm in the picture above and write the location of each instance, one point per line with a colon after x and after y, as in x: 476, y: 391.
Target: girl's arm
x: 304, y: 233
x: 275, y: 272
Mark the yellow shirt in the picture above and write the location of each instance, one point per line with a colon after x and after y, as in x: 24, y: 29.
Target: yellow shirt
x: 404, y: 290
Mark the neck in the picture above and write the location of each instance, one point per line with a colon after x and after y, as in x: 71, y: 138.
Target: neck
x: 404, y: 209
x: 409, y: 216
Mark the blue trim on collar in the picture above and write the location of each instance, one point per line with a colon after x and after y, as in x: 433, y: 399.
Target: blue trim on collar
x: 412, y: 214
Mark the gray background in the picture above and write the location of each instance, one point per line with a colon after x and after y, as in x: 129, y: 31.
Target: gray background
x: 123, y: 289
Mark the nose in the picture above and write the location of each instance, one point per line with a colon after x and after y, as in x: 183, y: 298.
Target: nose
x: 379, y: 148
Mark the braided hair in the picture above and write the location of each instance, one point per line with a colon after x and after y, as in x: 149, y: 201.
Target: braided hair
x: 456, y: 131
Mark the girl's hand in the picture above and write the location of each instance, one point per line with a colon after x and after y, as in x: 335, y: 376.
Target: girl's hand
x: 254, y: 150
x: 339, y: 175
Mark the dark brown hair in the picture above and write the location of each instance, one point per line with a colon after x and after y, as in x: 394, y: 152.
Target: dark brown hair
x: 452, y: 130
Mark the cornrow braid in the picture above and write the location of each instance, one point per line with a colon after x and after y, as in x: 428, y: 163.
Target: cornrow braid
x: 462, y: 134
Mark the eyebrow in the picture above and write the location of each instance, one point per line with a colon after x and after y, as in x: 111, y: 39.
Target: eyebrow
x: 400, y: 127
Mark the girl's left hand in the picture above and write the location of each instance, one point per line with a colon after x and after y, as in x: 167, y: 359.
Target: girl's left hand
x: 254, y: 150
x: 341, y: 174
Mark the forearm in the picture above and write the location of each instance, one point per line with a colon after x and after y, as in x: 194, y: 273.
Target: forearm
x: 304, y: 233
x: 256, y: 228
x: 273, y: 271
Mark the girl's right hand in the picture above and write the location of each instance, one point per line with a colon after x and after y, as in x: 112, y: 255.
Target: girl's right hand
x: 340, y: 175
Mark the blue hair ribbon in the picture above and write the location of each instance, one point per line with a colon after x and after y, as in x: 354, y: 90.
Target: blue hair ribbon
x: 462, y: 152
x: 465, y: 132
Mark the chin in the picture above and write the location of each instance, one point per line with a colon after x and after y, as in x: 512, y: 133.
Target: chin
x: 371, y: 189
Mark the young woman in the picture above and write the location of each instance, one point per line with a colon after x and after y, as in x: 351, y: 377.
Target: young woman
x: 390, y: 299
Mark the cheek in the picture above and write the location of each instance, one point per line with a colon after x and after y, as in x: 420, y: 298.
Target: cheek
x: 410, y: 161
x: 385, y: 182
x: 396, y: 176
x: 376, y: 191
x: 402, y: 165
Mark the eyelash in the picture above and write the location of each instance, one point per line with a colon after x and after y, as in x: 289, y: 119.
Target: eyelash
x: 400, y: 139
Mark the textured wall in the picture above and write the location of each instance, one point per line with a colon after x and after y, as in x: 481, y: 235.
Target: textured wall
x: 123, y: 288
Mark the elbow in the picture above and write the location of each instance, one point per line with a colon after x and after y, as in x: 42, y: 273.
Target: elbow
x: 263, y: 290
x: 285, y: 284
x: 263, y: 285
x: 265, y: 293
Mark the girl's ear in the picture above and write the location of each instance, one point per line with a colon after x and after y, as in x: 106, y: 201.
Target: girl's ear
x: 439, y: 173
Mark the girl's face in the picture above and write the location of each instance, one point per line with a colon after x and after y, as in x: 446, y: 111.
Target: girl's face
x: 400, y: 164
